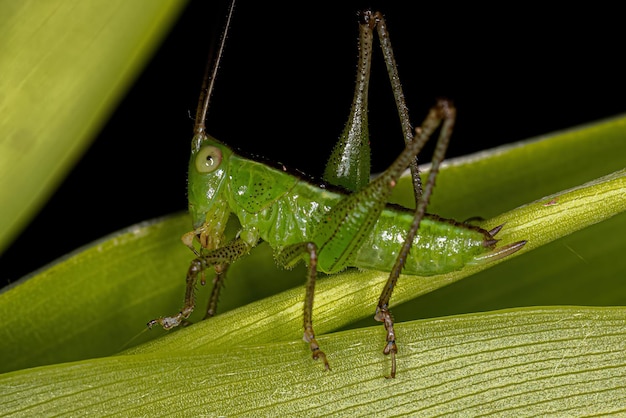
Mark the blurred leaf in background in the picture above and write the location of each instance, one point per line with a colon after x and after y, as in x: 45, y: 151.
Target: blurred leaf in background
x: 64, y: 66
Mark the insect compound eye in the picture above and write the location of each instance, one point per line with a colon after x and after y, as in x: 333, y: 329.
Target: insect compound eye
x: 208, y: 159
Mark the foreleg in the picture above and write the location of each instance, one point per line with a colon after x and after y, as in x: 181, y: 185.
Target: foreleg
x: 218, y: 283
x: 221, y: 256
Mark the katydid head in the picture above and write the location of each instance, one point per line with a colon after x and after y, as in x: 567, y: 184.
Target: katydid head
x: 208, y: 202
x: 206, y: 188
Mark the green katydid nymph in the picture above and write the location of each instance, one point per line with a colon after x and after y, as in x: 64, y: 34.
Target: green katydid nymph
x: 340, y: 223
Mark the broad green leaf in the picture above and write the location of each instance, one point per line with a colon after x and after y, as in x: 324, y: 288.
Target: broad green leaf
x: 64, y: 67
x: 562, y: 361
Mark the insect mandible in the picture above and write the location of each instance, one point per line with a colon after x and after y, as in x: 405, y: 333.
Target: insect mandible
x: 344, y: 221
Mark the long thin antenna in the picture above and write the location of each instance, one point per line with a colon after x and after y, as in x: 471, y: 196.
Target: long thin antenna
x: 209, y: 78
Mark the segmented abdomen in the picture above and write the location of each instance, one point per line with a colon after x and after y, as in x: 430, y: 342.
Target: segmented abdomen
x: 440, y: 246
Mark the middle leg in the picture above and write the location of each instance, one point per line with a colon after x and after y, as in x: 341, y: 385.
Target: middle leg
x: 288, y: 256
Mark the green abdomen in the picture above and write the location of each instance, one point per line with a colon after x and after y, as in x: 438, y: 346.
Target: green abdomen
x: 440, y: 246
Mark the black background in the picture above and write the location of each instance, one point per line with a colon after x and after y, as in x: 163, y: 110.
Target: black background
x: 284, y: 91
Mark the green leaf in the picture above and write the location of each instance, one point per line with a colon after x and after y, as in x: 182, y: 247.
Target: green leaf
x: 250, y: 359
x: 64, y: 67
x: 568, y: 361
